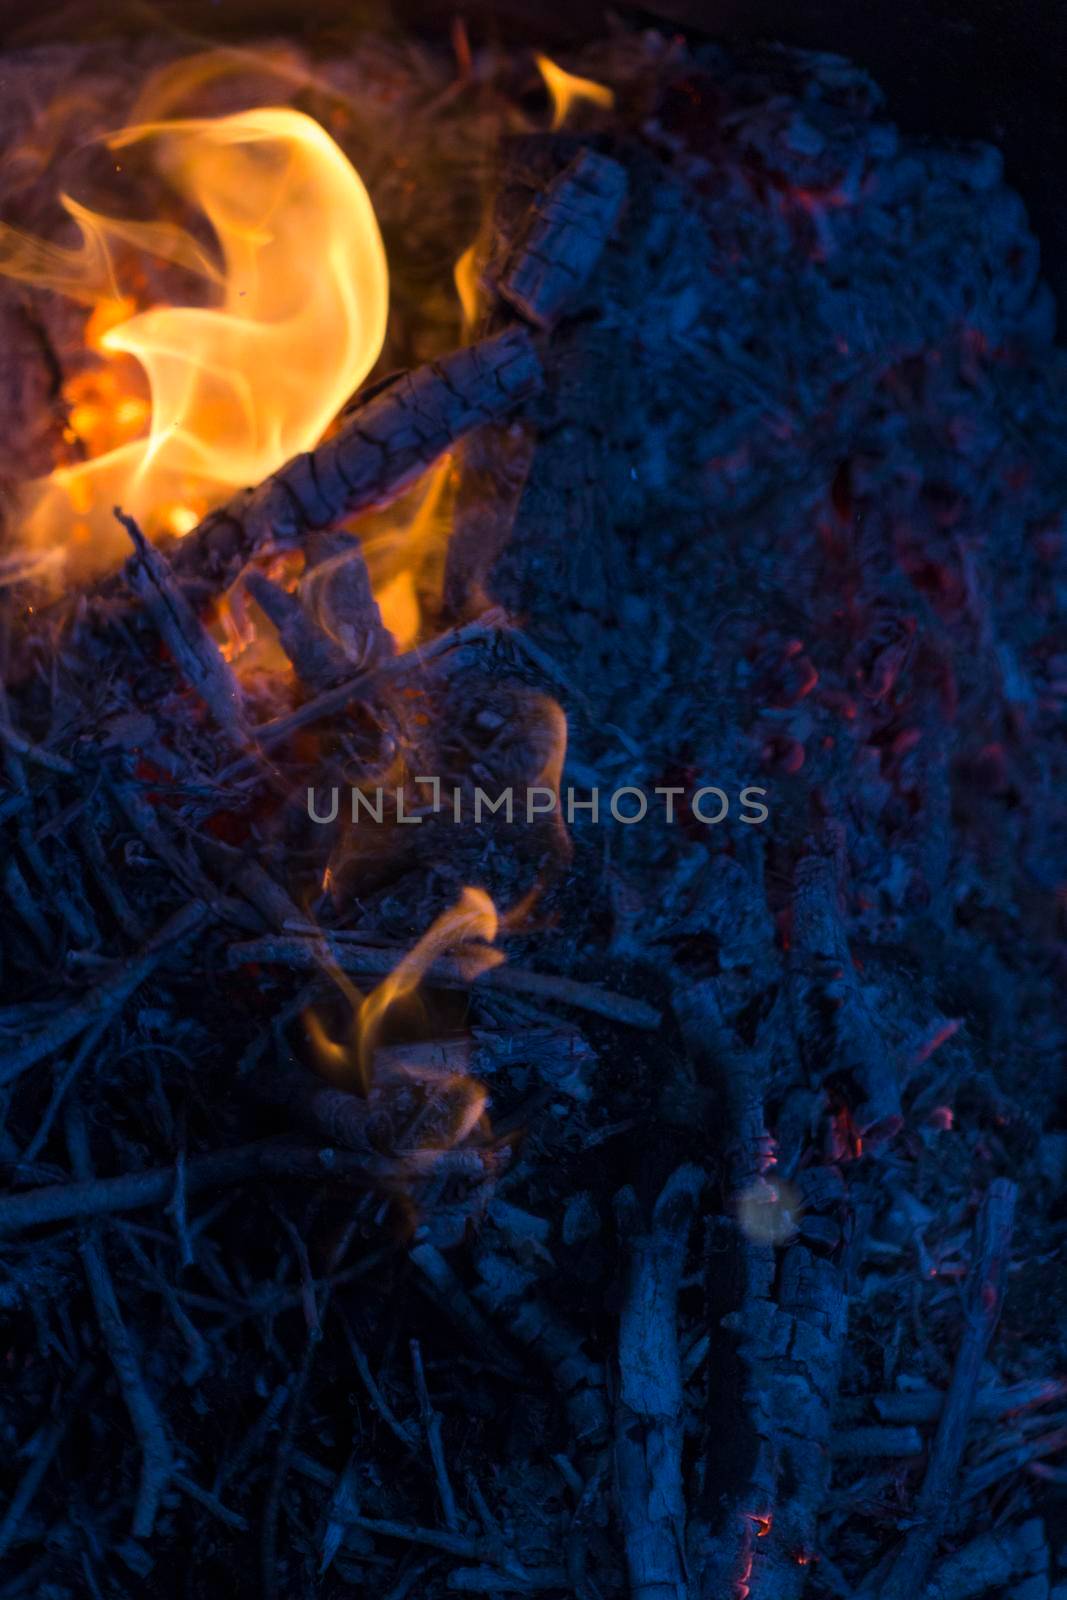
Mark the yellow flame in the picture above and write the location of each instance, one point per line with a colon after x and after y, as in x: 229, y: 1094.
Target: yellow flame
x: 399, y: 606
x: 465, y: 932
x: 408, y: 555
x: 173, y: 85
x: 335, y: 1056
x: 552, y: 736
x: 567, y: 91
x: 240, y: 385
x: 465, y: 277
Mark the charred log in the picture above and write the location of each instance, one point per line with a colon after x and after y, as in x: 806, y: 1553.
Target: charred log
x: 382, y: 444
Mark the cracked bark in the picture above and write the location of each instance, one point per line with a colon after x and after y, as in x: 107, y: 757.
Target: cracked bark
x: 379, y: 448
x: 648, y: 1408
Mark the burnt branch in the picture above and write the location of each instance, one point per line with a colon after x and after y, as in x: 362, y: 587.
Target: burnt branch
x: 98, y: 1197
x: 374, y: 961
x: 378, y: 449
x: 196, y: 656
x: 648, y: 1409
x: 993, y: 1232
x: 989, y: 1564
x: 563, y: 237
x: 105, y: 1000
x: 839, y: 1037
x: 157, y: 1457
x: 318, y: 662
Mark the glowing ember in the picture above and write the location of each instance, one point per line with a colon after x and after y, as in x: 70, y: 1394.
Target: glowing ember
x: 235, y: 387
x: 567, y: 91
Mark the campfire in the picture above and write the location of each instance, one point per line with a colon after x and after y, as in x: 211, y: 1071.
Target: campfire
x: 531, y: 730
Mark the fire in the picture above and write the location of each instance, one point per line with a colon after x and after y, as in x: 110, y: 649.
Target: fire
x: 298, y: 298
x: 553, y: 733
x: 399, y: 606
x: 411, y: 547
x: 567, y: 90
x: 465, y: 932
x: 465, y: 277
x: 425, y: 1092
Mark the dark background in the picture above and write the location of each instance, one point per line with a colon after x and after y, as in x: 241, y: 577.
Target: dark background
x: 988, y: 69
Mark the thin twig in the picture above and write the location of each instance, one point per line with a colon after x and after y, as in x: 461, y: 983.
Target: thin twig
x: 36, y: 753
x: 157, y: 1461
x: 268, y: 1549
x: 41, y: 1449
x: 431, y: 1421
x: 209, y: 1501
x: 405, y: 1434
x: 64, y: 1078
x: 304, y: 955
x: 106, y: 999
x: 360, y: 687
x: 453, y: 1543
x: 97, y: 1197
x: 648, y: 1412
x: 195, y: 653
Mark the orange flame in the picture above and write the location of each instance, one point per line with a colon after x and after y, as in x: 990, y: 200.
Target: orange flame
x: 568, y: 91
x: 236, y: 387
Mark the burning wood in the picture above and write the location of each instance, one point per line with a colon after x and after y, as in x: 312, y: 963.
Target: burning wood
x: 380, y: 447
x: 195, y: 653
x: 317, y: 661
x: 629, y: 1162
x: 372, y: 961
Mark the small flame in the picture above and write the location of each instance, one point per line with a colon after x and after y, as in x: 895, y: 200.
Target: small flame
x: 399, y: 606
x: 567, y: 91
x: 465, y: 277
x: 410, y: 552
x: 552, y: 733
x: 465, y: 932
x: 234, y: 388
